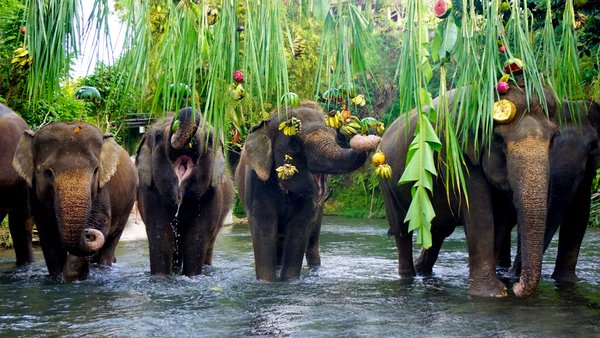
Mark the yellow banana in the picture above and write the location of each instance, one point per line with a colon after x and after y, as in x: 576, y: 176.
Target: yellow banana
x: 286, y: 171
x: 380, y: 129
x: 358, y: 100
x: 384, y: 171
x: 290, y: 127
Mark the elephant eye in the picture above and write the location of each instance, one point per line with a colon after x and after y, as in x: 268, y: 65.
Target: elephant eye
x: 49, y: 174
x: 96, y: 172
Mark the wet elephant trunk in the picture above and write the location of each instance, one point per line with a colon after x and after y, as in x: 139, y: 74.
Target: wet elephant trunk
x: 183, y: 127
x: 73, y: 204
x: 529, y: 161
x: 324, y: 155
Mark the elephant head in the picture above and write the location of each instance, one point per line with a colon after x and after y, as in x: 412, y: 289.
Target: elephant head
x: 67, y: 166
x: 313, y: 151
x: 517, y: 163
x: 174, y: 156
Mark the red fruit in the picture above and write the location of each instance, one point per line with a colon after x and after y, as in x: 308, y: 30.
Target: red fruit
x: 340, y: 99
x: 23, y: 30
x: 442, y: 8
x: 502, y: 87
x: 502, y: 49
x: 238, y: 76
x: 513, y: 65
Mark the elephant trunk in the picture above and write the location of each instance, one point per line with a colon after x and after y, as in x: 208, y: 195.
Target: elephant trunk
x: 529, y: 161
x: 73, y: 204
x: 184, y: 127
x: 324, y: 155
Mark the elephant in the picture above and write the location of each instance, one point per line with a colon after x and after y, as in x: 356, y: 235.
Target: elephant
x: 573, y: 162
x: 284, y: 213
x: 81, y: 191
x: 13, y: 188
x: 510, y: 176
x: 184, y: 193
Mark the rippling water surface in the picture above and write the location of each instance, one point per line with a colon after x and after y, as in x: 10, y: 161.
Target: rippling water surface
x: 355, y: 293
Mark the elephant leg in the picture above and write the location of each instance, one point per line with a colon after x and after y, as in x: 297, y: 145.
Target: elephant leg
x: 313, y: 257
x: 570, y: 237
x: 264, y: 243
x: 427, y: 258
x: 54, y: 253
x: 296, y: 240
x: 76, y: 268
x: 479, y: 229
x: 280, y: 245
x: 395, y: 214
x: 106, y: 256
x: 160, y: 234
x: 20, y: 224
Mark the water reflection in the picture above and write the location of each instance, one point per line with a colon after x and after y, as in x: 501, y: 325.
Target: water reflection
x: 356, y: 293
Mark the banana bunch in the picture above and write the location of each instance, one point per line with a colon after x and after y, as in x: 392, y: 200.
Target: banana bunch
x: 212, y: 14
x: 22, y: 57
x: 291, y: 127
x: 333, y: 119
x: 359, y: 100
x: 380, y: 128
x: 366, y: 124
x: 236, y: 92
x: 286, y: 171
x: 351, y: 126
x: 299, y: 45
x: 384, y: 171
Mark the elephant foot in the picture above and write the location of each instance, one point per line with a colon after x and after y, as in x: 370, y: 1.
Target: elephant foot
x: 76, y: 268
x: 492, y: 287
x: 423, y: 269
x: 565, y: 276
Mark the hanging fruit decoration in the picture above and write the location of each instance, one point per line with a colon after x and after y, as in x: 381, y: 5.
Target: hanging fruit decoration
x: 286, y: 170
x: 236, y: 92
x: 442, y: 8
x: 359, y: 100
x: 212, y: 14
x: 380, y: 128
x: 22, y: 57
x: 291, y: 98
x: 351, y: 126
x: 291, y: 127
x: 514, y: 66
x: 502, y: 49
x: 299, y: 46
x: 87, y: 93
x: 382, y: 169
x: 23, y: 30
x: 238, y: 76
x: 502, y: 87
x: 240, y: 28
x: 505, y: 6
x: 504, y: 111
x: 333, y: 119
x: 580, y: 20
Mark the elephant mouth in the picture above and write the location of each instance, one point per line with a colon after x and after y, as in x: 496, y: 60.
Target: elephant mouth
x: 183, y: 167
x: 320, y: 180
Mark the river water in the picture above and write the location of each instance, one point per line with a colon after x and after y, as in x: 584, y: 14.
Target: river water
x: 356, y: 293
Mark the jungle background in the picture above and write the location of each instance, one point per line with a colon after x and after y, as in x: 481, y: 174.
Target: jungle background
x: 123, y: 110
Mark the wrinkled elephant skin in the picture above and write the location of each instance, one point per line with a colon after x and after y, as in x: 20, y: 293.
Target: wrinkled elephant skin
x: 184, y: 193
x: 510, y: 176
x: 285, y: 212
x: 13, y: 188
x: 81, y: 190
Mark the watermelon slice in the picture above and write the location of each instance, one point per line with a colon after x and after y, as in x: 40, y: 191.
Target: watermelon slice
x: 442, y: 8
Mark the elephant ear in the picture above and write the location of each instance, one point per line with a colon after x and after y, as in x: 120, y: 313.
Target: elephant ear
x: 259, y: 153
x: 143, y: 159
x: 23, y: 160
x: 109, y: 159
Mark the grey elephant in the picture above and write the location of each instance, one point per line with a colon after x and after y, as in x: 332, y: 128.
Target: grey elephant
x: 573, y: 162
x: 285, y: 210
x: 13, y: 188
x: 511, y: 175
x: 184, y: 192
x: 82, y: 188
